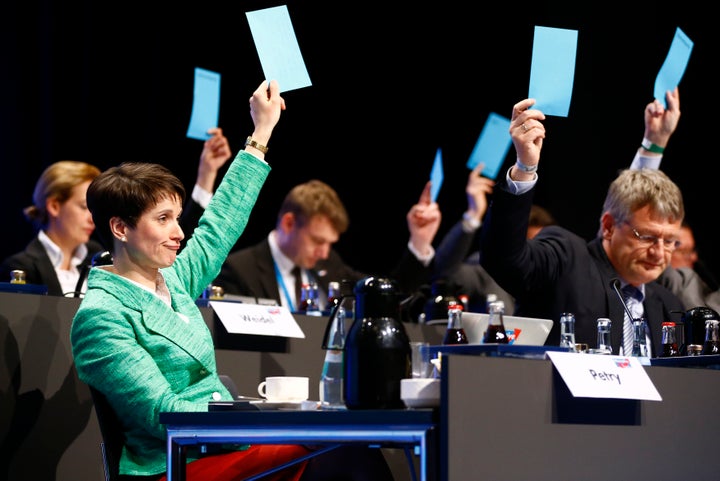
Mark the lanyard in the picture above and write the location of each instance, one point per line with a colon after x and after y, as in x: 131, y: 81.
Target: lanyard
x: 281, y: 283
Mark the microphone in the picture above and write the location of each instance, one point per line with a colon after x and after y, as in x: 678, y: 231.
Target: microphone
x: 102, y: 258
x: 615, y: 284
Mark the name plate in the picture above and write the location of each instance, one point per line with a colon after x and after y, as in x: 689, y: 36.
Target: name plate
x: 604, y: 376
x: 260, y: 320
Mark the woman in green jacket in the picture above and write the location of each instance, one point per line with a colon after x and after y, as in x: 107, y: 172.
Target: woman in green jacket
x: 138, y: 336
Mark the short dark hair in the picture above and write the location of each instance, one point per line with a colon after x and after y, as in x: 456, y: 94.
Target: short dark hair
x: 312, y: 198
x: 127, y: 191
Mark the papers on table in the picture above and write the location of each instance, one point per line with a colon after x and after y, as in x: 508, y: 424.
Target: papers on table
x: 206, y: 104
x: 278, y: 48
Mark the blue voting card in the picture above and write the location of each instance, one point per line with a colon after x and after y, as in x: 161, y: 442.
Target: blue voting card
x: 492, y: 146
x: 278, y: 48
x: 673, y: 68
x: 553, y: 69
x: 436, y: 176
x: 206, y: 104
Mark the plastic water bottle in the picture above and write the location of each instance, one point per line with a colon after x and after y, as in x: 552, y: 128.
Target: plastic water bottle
x: 567, y: 331
x: 640, y: 348
x: 331, y: 378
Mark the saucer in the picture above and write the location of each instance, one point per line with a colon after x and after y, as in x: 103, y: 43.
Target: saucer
x: 420, y: 392
x: 285, y: 405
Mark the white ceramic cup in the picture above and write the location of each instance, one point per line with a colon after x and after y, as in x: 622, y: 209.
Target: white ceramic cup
x: 285, y: 388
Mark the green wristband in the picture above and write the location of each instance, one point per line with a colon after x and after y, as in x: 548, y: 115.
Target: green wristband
x: 650, y: 147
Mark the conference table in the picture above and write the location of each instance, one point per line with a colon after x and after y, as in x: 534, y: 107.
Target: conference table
x: 415, y: 429
x: 508, y: 417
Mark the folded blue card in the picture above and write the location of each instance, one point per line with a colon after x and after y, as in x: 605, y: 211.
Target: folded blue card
x: 436, y: 176
x: 206, y: 104
x: 673, y: 68
x: 278, y: 48
x: 553, y: 69
x: 492, y: 146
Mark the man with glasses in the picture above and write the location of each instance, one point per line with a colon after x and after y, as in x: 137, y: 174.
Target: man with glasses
x: 559, y: 271
x: 687, y: 276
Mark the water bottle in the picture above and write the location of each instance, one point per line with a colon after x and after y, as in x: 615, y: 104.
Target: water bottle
x: 604, y: 343
x: 331, y: 378
x: 567, y: 331
x: 640, y: 348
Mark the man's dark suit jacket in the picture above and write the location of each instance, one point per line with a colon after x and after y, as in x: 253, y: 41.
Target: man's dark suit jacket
x: 458, y: 261
x: 37, y: 266
x: 251, y: 272
x: 558, y: 272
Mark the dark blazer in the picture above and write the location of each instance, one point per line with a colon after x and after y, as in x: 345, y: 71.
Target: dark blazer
x: 251, y: 272
x: 39, y: 270
x: 558, y: 271
x: 37, y: 266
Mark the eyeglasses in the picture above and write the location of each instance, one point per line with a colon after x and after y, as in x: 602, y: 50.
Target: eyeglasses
x: 647, y: 240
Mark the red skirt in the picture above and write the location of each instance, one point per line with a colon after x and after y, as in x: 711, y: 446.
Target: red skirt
x: 239, y: 465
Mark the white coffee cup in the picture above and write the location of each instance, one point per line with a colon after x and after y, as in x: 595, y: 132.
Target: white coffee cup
x: 285, y: 388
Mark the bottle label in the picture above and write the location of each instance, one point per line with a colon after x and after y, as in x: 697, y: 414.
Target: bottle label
x: 333, y: 355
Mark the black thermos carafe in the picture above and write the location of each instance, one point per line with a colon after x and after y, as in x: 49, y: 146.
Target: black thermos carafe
x: 694, y: 326
x: 377, y: 347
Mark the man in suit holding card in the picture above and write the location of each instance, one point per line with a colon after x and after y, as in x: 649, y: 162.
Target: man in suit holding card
x: 311, y: 219
x: 558, y: 271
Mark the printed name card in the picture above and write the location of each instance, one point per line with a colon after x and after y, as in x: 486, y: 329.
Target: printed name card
x: 603, y: 376
x: 240, y: 318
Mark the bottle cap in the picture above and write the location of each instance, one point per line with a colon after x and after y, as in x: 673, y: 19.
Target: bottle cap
x: 455, y: 306
x: 217, y: 292
x: 17, y: 276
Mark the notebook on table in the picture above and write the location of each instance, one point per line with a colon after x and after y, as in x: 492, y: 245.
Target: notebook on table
x: 522, y: 331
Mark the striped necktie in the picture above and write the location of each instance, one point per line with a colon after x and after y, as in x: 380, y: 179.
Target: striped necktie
x: 633, y: 300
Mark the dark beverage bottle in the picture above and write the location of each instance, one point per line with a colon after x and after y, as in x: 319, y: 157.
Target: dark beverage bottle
x: 669, y: 340
x: 304, y: 297
x: 309, y: 300
x: 455, y: 333
x: 495, y: 333
x: 712, y: 338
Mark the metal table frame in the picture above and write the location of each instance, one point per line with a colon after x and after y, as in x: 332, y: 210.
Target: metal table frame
x: 400, y: 428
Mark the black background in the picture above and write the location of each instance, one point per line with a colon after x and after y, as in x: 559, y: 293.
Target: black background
x: 110, y: 82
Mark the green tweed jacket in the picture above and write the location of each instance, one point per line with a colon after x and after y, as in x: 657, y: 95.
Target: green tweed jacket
x: 149, y: 358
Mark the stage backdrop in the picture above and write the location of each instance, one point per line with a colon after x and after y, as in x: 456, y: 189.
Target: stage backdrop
x: 390, y: 86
